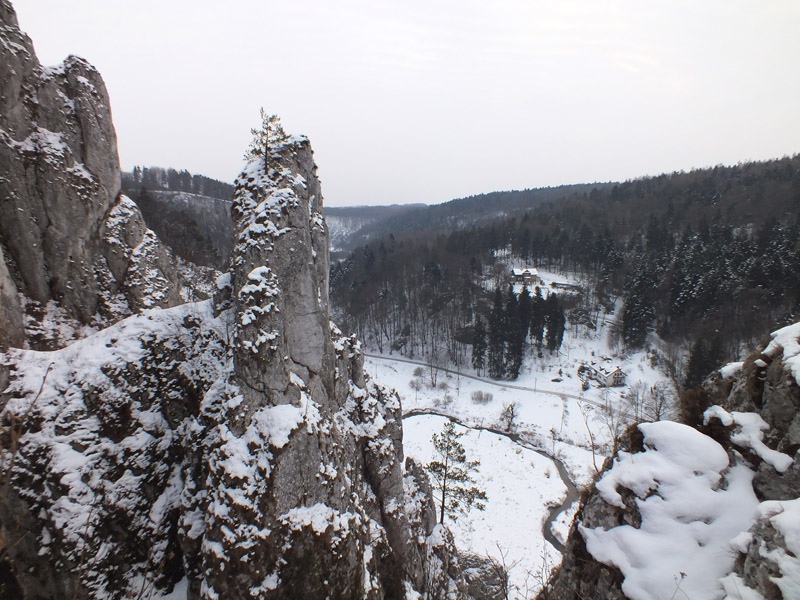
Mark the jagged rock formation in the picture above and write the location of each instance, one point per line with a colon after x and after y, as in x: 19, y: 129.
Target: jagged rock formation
x: 768, y: 384
x: 232, y: 447
x: 306, y: 469
x: 237, y: 446
x: 68, y: 253
x: 754, y: 416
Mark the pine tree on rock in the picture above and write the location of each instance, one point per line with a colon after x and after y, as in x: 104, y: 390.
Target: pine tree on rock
x: 265, y: 137
x: 452, y: 474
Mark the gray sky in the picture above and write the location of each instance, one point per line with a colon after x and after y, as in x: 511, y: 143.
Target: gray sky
x: 429, y: 100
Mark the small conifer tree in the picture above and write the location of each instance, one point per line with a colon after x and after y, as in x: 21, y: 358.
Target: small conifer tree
x: 451, y: 471
x: 265, y: 137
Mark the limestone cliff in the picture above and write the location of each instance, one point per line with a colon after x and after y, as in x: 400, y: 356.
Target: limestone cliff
x: 305, y: 491
x: 60, y: 207
x: 233, y: 448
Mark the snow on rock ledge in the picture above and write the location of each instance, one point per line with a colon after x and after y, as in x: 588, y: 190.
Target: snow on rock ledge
x: 691, y: 504
x: 786, y: 342
x: 749, y: 434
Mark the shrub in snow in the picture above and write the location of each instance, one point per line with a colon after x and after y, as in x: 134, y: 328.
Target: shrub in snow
x: 481, y: 397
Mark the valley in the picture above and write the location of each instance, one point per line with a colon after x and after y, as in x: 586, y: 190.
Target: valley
x: 216, y: 391
x: 532, y: 467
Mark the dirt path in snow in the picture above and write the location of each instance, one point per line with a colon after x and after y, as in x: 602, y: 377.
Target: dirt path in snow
x: 572, y: 492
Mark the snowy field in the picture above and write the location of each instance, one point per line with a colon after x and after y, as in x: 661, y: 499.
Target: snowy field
x: 552, y: 414
x: 508, y: 529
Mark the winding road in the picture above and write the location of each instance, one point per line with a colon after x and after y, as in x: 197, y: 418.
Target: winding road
x: 572, y: 492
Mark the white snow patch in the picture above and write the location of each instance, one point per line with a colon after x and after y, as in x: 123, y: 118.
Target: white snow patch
x: 750, y: 434
x: 687, y: 518
x: 319, y: 517
x: 787, y: 341
x: 731, y: 370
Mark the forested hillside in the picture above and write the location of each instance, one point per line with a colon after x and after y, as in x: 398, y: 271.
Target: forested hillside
x: 685, y: 253
x: 158, y: 178
x: 465, y: 212
x: 190, y: 213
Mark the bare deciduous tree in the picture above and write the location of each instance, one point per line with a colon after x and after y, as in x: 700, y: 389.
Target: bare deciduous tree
x: 508, y: 416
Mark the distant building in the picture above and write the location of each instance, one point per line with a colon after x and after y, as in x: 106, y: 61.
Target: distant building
x: 603, y: 375
x: 528, y: 275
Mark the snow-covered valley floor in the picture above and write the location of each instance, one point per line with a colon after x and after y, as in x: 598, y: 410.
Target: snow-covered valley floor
x: 553, y: 415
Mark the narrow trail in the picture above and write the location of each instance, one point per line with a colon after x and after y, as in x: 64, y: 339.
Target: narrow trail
x: 498, y: 384
x: 572, y: 491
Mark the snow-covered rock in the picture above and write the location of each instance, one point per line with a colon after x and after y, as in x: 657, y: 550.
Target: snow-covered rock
x: 305, y: 491
x: 706, y: 512
x: 234, y: 446
x: 60, y: 188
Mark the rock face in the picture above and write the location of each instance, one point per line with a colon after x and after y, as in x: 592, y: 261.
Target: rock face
x: 233, y: 447
x: 60, y: 186
x: 759, y: 397
x: 768, y: 384
x: 305, y: 488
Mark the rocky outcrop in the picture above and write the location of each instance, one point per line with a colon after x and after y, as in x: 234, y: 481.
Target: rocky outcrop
x: 233, y: 447
x: 99, y: 446
x: 306, y: 470
x: 753, y: 416
x: 60, y: 184
x: 768, y: 384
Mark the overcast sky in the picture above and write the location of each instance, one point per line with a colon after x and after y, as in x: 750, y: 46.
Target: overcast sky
x: 429, y: 100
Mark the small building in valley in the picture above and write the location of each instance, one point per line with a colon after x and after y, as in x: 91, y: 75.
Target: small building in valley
x: 527, y: 275
x: 604, y: 375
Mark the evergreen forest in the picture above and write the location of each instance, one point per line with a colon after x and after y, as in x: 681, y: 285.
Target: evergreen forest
x: 706, y: 260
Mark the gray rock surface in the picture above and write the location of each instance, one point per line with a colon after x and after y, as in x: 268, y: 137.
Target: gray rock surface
x: 235, y: 447
x: 61, y: 180
x: 326, y: 487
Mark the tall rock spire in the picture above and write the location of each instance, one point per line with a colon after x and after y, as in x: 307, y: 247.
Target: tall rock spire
x: 305, y: 494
